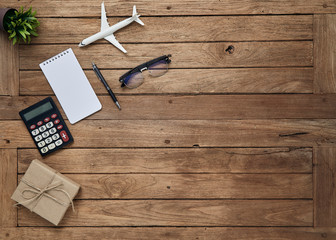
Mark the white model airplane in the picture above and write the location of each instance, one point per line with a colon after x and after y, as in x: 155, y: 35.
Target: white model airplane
x: 106, y: 31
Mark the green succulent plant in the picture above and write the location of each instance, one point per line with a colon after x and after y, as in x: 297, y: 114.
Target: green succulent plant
x: 21, y: 25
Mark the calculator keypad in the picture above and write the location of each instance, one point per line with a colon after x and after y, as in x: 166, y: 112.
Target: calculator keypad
x: 48, y: 140
x: 51, y: 146
x: 38, y: 138
x: 46, y: 135
x: 64, y: 136
x: 52, y: 131
x: 41, y: 144
x: 58, y: 142
x: 55, y: 137
x: 35, y: 132
x: 44, y: 150
x: 42, y: 128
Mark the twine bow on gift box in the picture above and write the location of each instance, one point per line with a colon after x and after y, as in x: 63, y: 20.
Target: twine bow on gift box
x: 39, y: 193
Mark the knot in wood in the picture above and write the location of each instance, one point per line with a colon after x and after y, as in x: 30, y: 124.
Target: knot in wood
x: 230, y: 49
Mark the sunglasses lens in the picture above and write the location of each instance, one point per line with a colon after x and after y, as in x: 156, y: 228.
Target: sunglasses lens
x: 158, y: 69
x: 134, y: 80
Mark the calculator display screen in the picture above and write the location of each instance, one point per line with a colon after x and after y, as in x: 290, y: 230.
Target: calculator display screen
x: 37, y: 111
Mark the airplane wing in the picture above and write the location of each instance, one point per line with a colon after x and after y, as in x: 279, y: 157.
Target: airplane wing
x: 114, y: 41
x: 103, y: 20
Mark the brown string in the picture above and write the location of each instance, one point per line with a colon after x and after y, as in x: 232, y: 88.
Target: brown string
x: 39, y: 193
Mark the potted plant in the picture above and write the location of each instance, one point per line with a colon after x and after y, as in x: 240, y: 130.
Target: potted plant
x: 20, y: 25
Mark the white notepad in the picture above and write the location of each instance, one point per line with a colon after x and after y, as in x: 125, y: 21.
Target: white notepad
x: 70, y: 85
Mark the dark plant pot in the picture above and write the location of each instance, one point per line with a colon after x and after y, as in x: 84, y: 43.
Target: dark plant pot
x: 3, y: 12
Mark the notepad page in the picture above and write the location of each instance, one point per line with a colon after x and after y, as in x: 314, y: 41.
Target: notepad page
x: 70, y: 85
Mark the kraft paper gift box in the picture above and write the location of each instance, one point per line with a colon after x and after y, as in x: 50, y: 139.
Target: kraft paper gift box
x: 46, y: 192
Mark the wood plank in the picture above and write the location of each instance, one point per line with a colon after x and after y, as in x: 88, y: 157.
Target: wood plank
x: 9, y: 67
x: 324, y: 190
x: 206, y: 186
x: 239, y: 80
x: 324, y: 53
x: 181, y: 213
x: 184, y: 55
x: 208, y: 107
x: 171, y: 160
x: 184, y: 133
x: 182, y: 29
x: 8, y: 183
x: 87, y: 8
x: 173, y: 233
x: 200, y: 186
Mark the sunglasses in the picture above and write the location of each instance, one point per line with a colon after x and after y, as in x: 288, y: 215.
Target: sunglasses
x: 156, y: 67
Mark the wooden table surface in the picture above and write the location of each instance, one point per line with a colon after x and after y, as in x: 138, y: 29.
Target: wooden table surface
x: 236, y: 141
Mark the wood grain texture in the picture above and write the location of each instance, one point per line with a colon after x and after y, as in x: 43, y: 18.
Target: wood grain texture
x: 324, y: 53
x: 181, y: 213
x: 209, y: 107
x: 185, y: 158
x: 184, y: 133
x: 9, y: 67
x: 90, y: 8
x: 8, y: 183
x: 325, y: 190
x: 172, y: 233
x: 200, y: 186
x: 183, y: 29
x: 171, y: 160
x: 239, y: 80
x: 184, y: 55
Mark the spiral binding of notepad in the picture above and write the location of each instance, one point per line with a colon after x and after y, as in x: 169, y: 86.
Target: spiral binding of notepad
x: 56, y: 57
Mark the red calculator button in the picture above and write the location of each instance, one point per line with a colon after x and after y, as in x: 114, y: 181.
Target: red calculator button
x: 39, y: 123
x: 54, y: 115
x: 32, y: 127
x: 57, y: 121
x: 47, y: 119
x: 64, y: 136
x: 59, y: 127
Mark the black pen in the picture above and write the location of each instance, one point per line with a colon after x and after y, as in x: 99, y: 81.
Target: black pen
x: 100, y: 76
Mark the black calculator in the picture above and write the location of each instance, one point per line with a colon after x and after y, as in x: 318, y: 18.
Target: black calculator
x: 46, y: 126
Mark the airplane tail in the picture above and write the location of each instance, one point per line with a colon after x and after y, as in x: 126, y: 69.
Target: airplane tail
x: 136, y: 16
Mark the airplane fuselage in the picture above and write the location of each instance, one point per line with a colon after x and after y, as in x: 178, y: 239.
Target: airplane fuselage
x: 106, y: 32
